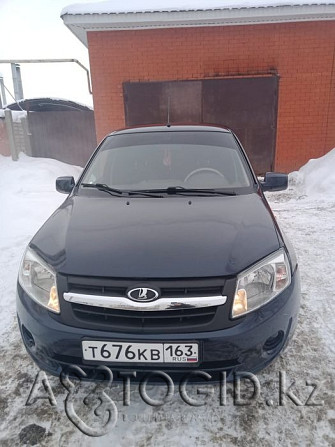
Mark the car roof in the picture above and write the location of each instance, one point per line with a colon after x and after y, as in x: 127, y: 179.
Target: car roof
x: 172, y: 128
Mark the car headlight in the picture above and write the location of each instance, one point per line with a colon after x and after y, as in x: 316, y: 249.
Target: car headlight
x: 261, y: 283
x: 38, y: 279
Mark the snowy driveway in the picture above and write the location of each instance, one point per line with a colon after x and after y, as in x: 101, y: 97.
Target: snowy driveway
x: 307, y: 216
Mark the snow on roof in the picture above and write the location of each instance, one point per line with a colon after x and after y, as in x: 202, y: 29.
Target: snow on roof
x: 131, y: 6
x: 47, y: 103
x: 154, y: 14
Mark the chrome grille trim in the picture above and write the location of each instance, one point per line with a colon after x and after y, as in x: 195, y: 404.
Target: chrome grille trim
x: 122, y: 303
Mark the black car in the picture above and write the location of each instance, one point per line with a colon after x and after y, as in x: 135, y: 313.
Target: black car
x: 165, y: 255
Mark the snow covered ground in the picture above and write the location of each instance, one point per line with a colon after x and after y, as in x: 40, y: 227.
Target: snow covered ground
x: 306, y: 212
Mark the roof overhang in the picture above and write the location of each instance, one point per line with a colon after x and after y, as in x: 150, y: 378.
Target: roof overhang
x: 82, y: 23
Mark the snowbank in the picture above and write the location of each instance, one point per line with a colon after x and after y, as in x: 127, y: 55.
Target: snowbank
x: 316, y: 179
x: 33, y: 174
x: 28, y: 195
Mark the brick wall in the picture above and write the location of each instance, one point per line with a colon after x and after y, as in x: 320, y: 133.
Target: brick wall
x: 302, y: 53
x: 4, y: 142
x: 19, y: 137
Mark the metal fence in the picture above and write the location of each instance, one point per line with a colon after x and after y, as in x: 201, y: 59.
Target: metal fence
x: 68, y: 136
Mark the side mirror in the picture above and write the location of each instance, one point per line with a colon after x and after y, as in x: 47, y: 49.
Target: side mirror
x: 65, y: 184
x: 273, y: 181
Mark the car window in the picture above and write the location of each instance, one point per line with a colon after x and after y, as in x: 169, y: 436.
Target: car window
x: 175, y: 159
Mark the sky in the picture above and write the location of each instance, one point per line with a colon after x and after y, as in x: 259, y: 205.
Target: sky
x: 33, y: 29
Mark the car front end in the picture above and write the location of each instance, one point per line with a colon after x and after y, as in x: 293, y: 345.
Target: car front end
x: 174, y: 279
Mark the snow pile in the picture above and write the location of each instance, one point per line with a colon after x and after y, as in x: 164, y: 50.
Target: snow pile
x: 316, y: 179
x: 28, y: 197
x: 113, y: 7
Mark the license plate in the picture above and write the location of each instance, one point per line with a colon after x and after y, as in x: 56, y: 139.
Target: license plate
x: 113, y: 351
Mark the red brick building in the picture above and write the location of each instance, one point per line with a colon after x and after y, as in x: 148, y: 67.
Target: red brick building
x: 265, y: 70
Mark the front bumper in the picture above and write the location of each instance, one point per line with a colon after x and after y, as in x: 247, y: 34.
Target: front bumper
x: 246, y: 347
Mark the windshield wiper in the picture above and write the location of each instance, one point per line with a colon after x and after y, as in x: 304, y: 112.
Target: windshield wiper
x: 103, y: 187
x: 118, y: 192
x: 186, y: 191
x: 134, y: 192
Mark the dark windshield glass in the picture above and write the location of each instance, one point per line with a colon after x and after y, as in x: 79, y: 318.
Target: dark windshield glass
x: 159, y: 160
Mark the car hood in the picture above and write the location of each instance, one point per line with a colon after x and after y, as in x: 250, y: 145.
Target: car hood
x: 167, y: 237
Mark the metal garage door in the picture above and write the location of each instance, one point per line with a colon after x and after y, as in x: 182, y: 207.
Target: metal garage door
x: 247, y: 105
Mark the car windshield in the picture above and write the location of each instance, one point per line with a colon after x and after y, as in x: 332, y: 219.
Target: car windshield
x: 147, y: 161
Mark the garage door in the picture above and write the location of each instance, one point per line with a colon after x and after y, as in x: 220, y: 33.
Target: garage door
x: 247, y: 105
